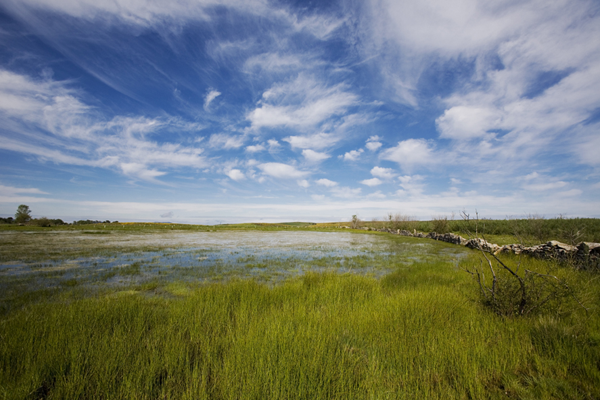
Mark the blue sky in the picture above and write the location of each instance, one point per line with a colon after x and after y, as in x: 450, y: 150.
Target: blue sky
x: 204, y: 111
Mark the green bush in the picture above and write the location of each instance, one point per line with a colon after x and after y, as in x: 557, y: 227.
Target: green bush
x: 42, y: 222
x: 440, y: 225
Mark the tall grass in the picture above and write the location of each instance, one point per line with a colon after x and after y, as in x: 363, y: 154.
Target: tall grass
x: 417, y: 333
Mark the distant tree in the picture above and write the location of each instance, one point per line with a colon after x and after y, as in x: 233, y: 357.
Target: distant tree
x: 86, y: 222
x: 23, y: 214
x: 355, y: 222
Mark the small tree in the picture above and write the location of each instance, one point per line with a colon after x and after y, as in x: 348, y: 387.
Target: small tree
x: 355, y: 222
x: 23, y: 214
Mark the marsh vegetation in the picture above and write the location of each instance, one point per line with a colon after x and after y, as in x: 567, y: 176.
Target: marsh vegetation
x: 276, y: 312
x: 529, y: 230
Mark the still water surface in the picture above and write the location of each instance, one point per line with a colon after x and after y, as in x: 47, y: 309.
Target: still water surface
x: 120, y: 259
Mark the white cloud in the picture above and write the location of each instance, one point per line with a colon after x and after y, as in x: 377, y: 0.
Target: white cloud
x: 326, y: 182
x: 409, y: 153
x: 452, y: 27
x: 140, y: 171
x: 317, y: 141
x: 46, y: 119
x: 411, y: 185
x: 463, y: 123
x: 371, y: 182
x: 236, y: 175
x: 210, y: 96
x: 536, y: 182
x: 283, y: 171
x: 318, y: 25
x: 303, y: 183
x: 587, y: 145
x: 417, y: 205
x: 532, y: 175
x: 273, y: 62
x: 314, y: 156
x: 570, y: 193
x: 545, y: 186
x: 141, y: 12
x: 534, y: 72
x: 11, y: 190
x: 224, y: 141
x: 373, y: 143
x: 301, y: 103
x: 410, y: 34
x: 383, y: 173
x: 317, y: 197
x: 377, y: 195
x: 255, y: 148
x: 352, y: 155
x: 273, y: 145
x: 345, y: 192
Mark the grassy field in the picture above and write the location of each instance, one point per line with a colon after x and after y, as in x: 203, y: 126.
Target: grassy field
x: 528, y: 231
x: 418, y: 332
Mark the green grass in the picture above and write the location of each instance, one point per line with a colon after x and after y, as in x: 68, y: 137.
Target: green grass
x: 417, y: 333
x: 135, y: 227
x: 529, y: 231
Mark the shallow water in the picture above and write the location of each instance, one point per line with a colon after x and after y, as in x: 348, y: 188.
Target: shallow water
x: 123, y: 259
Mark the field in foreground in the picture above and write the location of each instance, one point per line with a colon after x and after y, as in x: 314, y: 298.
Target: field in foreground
x: 418, y: 332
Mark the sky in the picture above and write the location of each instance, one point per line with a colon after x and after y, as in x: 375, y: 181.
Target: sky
x: 206, y: 111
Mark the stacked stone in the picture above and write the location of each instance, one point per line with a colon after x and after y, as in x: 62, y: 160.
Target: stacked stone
x: 449, y: 238
x: 512, y: 248
x: 479, y: 243
x: 584, y: 255
x: 552, y: 249
x: 588, y: 255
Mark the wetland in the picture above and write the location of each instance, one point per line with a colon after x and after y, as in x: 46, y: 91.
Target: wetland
x: 276, y: 312
x: 93, y: 258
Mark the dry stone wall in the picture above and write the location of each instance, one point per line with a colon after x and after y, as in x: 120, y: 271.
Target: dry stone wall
x: 585, y: 254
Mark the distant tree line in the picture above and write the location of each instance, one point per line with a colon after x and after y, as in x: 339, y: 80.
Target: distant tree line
x: 89, y: 222
x: 23, y: 217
